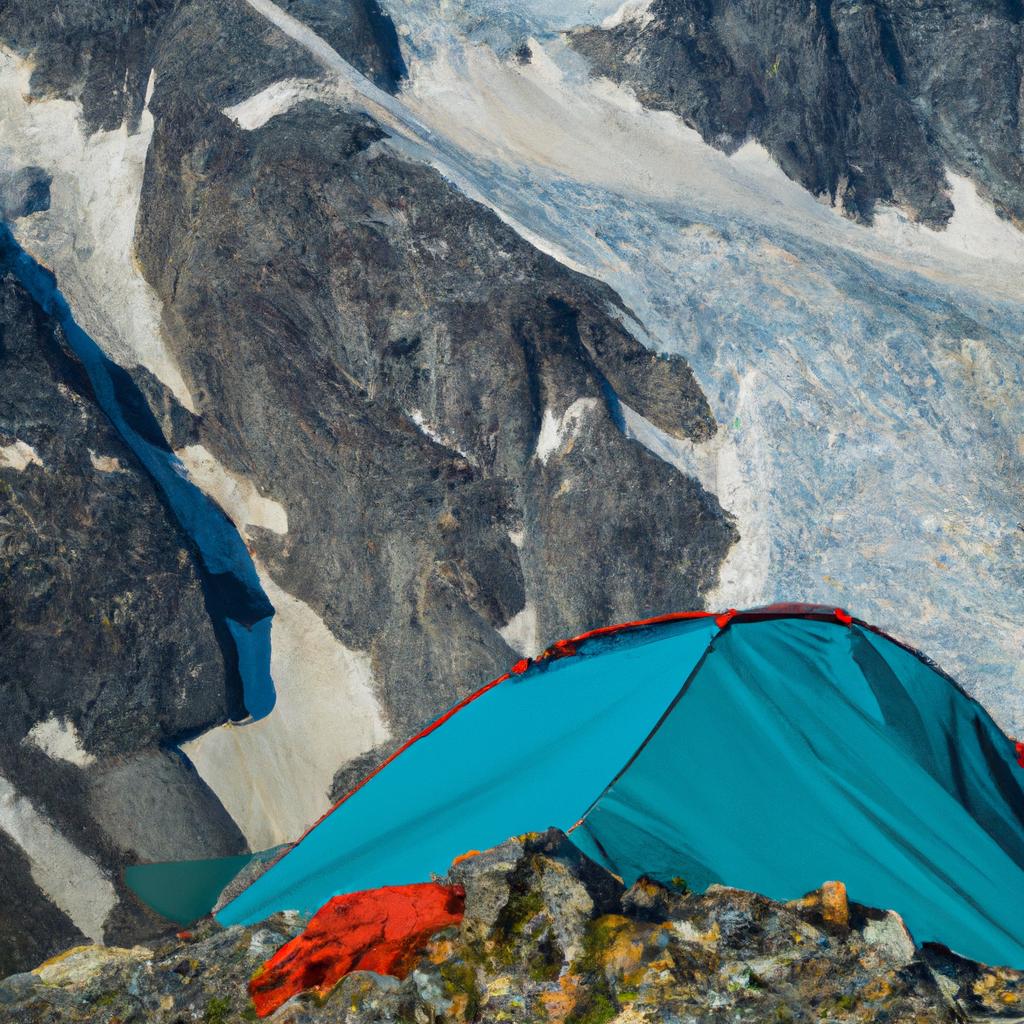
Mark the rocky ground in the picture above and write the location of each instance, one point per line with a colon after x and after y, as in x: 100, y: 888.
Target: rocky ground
x: 549, y: 936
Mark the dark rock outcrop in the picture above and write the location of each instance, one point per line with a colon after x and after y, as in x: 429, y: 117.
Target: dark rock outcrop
x: 360, y: 31
x: 382, y: 356
x: 24, y: 192
x: 98, y: 584
x: 105, y: 636
x: 862, y: 102
x: 101, y: 54
x: 96, y: 53
x: 435, y: 403
x: 31, y: 927
x: 548, y: 935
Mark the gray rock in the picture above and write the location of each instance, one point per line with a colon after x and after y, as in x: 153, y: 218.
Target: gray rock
x: 31, y: 927
x: 23, y: 192
x: 396, y: 297
x: 99, y: 584
x: 154, y: 807
x: 723, y: 956
x: 101, y: 54
x: 863, y: 103
x: 105, y: 636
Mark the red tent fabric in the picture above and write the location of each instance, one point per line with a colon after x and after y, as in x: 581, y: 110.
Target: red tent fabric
x: 381, y: 930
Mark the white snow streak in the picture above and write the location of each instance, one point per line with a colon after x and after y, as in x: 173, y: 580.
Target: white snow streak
x: 273, y: 776
x: 235, y: 493
x: 520, y: 632
x: 18, y: 455
x: 557, y: 432
x: 86, y: 235
x: 75, y: 883
x: 58, y: 738
x: 631, y: 10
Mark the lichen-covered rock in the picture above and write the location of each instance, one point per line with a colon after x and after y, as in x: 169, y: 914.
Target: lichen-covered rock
x: 80, y: 964
x: 645, y: 954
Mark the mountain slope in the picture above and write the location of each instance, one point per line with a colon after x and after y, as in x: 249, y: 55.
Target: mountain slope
x: 861, y: 103
x: 412, y: 417
x: 475, y: 350
x: 109, y: 654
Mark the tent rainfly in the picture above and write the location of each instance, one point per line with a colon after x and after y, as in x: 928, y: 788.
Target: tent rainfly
x: 770, y: 750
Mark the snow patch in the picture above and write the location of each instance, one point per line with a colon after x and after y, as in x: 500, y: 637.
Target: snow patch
x: 631, y: 11
x: 273, y: 776
x: 235, y: 493
x: 425, y: 428
x: 975, y: 229
x: 278, y: 98
x: 347, y: 87
x: 73, y: 881
x: 561, y: 431
x: 19, y: 456
x: 86, y: 236
x: 105, y: 463
x: 547, y: 117
x: 58, y: 738
x: 520, y: 632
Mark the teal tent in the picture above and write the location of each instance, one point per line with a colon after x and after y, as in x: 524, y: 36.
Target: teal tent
x: 770, y: 750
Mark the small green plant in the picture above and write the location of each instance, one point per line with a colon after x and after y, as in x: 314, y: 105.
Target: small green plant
x: 600, y: 934
x: 545, y: 962
x: 598, y: 1010
x: 461, y: 978
x: 774, y: 69
x: 217, y: 1010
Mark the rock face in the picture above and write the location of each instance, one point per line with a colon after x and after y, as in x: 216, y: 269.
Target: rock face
x: 433, y: 401
x: 436, y: 440
x: 101, y: 54
x: 425, y: 410
x: 862, y: 103
x: 108, y: 654
x: 547, y: 935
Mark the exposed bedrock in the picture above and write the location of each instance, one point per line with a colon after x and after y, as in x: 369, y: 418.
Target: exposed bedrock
x: 101, y: 54
x: 861, y: 102
x: 412, y: 414
x: 422, y: 390
x: 107, y: 652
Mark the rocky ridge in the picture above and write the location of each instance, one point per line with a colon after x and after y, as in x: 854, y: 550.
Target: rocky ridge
x: 427, y: 405
x: 547, y: 935
x: 99, y: 585
x: 860, y: 102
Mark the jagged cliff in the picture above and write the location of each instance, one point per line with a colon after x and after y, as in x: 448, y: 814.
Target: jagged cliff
x: 108, y: 653
x: 861, y: 103
x: 410, y: 413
